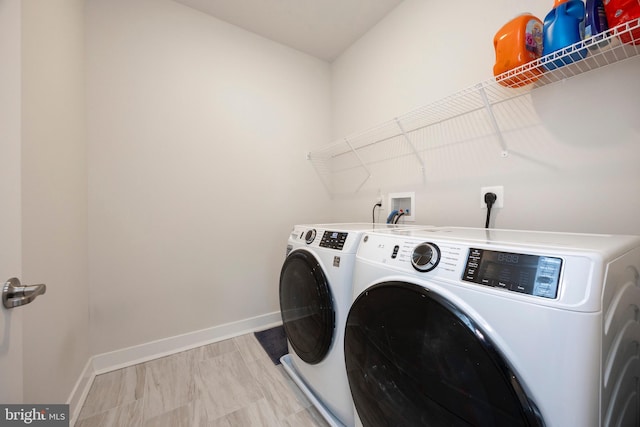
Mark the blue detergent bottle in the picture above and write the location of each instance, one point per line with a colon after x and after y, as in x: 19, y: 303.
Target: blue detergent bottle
x: 562, y: 28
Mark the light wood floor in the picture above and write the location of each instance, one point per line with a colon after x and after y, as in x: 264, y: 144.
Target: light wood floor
x: 226, y: 384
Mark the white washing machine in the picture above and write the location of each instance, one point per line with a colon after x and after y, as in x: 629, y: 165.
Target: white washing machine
x: 475, y: 327
x: 315, y: 296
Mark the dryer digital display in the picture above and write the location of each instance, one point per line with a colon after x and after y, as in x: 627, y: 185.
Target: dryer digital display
x: 529, y: 274
x: 333, y: 240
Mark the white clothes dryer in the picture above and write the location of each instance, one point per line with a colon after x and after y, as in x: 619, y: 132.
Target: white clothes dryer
x: 315, y: 296
x: 475, y: 327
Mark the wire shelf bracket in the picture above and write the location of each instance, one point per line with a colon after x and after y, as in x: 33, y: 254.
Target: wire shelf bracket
x: 364, y: 166
x: 413, y: 149
x: 492, y: 120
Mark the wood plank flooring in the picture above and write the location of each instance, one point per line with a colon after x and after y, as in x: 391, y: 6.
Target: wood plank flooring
x: 226, y: 384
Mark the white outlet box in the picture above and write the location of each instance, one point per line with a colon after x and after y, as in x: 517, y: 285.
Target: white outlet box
x: 498, y: 191
x: 405, y: 202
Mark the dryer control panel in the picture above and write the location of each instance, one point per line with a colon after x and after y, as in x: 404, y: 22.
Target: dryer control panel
x: 530, y: 274
x: 333, y: 240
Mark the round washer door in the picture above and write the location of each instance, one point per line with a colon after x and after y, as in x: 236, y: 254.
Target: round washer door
x: 413, y: 358
x: 306, y: 305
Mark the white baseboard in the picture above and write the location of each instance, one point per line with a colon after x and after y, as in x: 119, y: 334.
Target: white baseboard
x: 118, y: 359
x: 130, y: 356
x: 80, y: 391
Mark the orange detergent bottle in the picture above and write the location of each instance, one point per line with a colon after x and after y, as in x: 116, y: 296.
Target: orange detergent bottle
x: 518, y: 42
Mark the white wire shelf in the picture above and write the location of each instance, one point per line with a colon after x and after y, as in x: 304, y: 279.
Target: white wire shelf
x: 482, y: 112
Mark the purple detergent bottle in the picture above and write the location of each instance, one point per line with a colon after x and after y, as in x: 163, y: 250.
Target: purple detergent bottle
x: 595, y: 24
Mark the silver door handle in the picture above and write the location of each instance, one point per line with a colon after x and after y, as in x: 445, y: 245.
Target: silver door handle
x: 15, y: 295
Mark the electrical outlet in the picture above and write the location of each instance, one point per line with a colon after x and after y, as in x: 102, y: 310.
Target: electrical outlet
x: 380, y: 200
x: 498, y: 191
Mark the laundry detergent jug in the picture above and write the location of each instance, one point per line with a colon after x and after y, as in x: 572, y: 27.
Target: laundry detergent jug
x: 623, y: 11
x: 518, y: 42
x: 562, y: 28
x: 595, y: 23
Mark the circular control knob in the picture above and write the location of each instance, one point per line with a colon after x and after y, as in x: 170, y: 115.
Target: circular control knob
x: 310, y: 236
x: 425, y: 256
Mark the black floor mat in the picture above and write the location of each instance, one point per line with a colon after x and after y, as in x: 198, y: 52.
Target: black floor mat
x: 274, y: 342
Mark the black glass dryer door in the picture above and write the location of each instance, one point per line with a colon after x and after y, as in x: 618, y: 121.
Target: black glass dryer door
x: 306, y: 305
x: 414, y: 359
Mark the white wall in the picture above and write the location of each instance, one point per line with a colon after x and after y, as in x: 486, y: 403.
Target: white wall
x: 197, y: 138
x: 54, y: 198
x: 574, y: 168
x: 11, y: 387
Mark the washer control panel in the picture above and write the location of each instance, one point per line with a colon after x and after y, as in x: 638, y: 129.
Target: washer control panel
x: 538, y: 275
x: 530, y: 274
x: 442, y: 259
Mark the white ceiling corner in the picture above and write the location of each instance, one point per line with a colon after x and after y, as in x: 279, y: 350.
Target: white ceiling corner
x: 322, y: 28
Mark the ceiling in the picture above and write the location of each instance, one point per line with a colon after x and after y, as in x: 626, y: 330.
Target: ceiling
x: 322, y: 28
